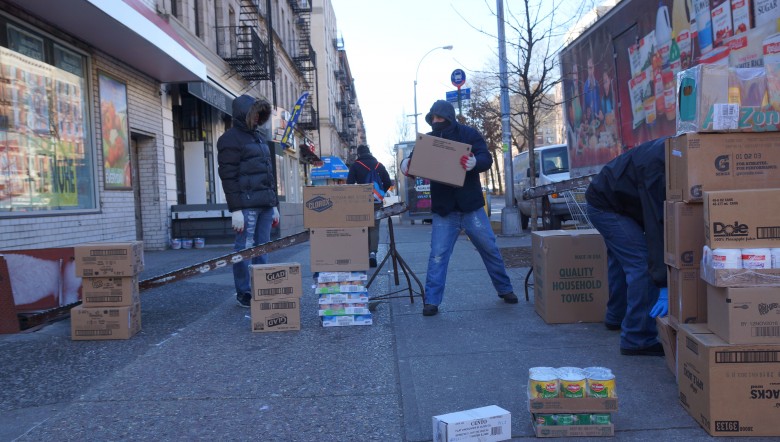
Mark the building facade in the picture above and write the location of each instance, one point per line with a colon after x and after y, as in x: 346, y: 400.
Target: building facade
x: 115, y: 138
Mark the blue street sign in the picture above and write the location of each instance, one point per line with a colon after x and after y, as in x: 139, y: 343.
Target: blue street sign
x: 465, y: 94
x: 458, y: 78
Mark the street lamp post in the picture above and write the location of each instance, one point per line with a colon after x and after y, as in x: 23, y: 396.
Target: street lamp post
x: 416, y: 128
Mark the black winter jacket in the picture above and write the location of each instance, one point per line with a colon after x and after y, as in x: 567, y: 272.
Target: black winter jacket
x: 634, y: 185
x: 359, y: 174
x: 446, y: 198
x: 245, y: 163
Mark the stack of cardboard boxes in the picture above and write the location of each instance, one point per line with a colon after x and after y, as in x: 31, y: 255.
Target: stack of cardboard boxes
x: 276, y: 297
x: 338, y: 218
x: 111, y: 304
x: 722, y: 337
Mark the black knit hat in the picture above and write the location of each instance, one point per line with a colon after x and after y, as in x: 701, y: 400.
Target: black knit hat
x: 363, y: 149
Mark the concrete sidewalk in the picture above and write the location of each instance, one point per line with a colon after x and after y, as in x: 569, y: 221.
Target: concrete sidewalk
x: 196, y: 372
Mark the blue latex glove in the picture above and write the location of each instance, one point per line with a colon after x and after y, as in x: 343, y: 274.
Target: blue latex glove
x: 661, y: 307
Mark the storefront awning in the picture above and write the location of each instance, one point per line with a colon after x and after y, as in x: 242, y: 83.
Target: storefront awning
x: 332, y: 167
x: 125, y: 29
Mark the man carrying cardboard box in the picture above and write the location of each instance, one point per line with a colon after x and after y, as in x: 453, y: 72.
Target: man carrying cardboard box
x: 626, y: 205
x: 460, y: 208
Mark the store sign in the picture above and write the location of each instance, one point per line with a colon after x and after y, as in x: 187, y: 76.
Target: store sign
x: 212, y: 96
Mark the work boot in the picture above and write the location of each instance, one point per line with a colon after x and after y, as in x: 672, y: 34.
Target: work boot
x: 654, y: 350
x: 372, y: 259
x: 244, y: 299
x: 430, y: 310
x: 509, y: 298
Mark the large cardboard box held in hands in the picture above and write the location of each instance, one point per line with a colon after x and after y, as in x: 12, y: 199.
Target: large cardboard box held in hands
x: 683, y: 234
x: 339, y: 250
x: 283, y: 279
x: 102, y: 323
x: 570, y: 276
x: 742, y: 218
x: 731, y: 390
x: 109, y: 259
x: 687, y: 295
x: 485, y: 424
x: 744, y: 315
x: 438, y: 159
x: 338, y: 206
x: 697, y: 162
x: 111, y: 291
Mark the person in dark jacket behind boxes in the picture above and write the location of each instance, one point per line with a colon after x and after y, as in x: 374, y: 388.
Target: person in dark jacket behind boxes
x: 360, y: 172
x: 625, y: 203
x: 460, y: 208
x: 246, y: 171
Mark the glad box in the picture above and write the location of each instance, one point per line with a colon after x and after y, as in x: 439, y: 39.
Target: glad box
x: 109, y: 259
x: 570, y: 276
x: 744, y: 315
x: 438, y: 159
x: 276, y: 314
x: 730, y: 390
x: 276, y: 280
x: 742, y: 218
x: 338, y: 206
x: 486, y: 424
x: 111, y: 291
x: 683, y: 235
x: 103, y: 323
x: 697, y: 162
x: 339, y: 250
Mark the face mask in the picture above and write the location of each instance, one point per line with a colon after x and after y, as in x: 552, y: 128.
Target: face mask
x: 440, y: 126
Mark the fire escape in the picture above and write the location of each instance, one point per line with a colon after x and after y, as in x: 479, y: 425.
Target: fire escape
x: 306, y: 62
x: 241, y: 46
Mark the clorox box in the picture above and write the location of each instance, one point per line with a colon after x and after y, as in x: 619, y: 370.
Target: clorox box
x: 486, y: 424
x: 338, y: 206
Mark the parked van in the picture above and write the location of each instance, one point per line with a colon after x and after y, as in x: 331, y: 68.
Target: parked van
x: 552, y: 165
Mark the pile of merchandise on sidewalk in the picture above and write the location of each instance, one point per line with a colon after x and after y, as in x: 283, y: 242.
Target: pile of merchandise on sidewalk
x: 722, y: 335
x: 338, y: 218
x: 110, y: 300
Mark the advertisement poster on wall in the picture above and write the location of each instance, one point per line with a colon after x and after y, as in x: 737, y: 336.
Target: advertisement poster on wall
x: 114, y: 131
x: 619, y: 76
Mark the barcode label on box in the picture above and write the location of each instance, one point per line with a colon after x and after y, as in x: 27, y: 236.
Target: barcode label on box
x: 93, y: 332
x: 768, y: 232
x: 495, y: 431
x: 280, y: 305
x: 276, y: 291
x: 725, y: 116
x: 357, y: 218
x: 765, y: 331
x: 746, y: 357
x: 342, y: 262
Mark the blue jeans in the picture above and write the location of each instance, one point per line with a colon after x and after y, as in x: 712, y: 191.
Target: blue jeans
x: 257, y: 230
x: 444, y: 233
x: 632, y: 293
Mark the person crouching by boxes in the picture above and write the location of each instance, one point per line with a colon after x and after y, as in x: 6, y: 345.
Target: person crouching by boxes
x: 625, y: 203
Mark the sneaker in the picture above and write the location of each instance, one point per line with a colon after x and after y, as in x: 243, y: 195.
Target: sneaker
x: 372, y: 259
x: 509, y: 298
x: 244, y: 299
x: 654, y: 350
x: 430, y: 310
x: 611, y: 326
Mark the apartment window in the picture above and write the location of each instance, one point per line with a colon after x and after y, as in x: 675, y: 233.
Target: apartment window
x: 196, y: 15
x: 46, y: 152
x: 176, y: 8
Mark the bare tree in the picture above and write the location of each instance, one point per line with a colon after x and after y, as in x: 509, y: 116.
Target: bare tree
x: 483, y: 113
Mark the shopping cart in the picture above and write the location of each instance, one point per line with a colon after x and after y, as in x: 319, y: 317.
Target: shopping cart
x: 575, y: 200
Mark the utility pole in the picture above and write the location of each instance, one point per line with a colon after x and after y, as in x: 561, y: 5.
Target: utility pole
x: 510, y: 221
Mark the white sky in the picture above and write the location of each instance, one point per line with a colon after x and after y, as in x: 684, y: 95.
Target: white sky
x: 386, y: 40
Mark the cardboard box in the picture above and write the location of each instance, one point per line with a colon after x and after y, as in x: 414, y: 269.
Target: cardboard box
x: 486, y: 424
x: 730, y: 390
x: 338, y: 206
x: 667, y: 334
x: 742, y: 218
x: 438, y: 160
x: 344, y: 298
x: 683, y: 234
x: 338, y: 250
x: 276, y: 314
x: 744, y: 315
x: 573, y: 405
x: 687, y: 295
x: 697, y: 162
x: 570, y: 276
x: 283, y: 279
x: 344, y: 309
x: 572, y: 430
x: 109, y: 259
x: 716, y: 97
x: 347, y: 321
x: 111, y: 291
x: 103, y: 323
